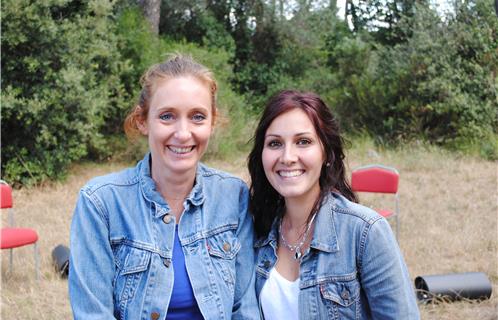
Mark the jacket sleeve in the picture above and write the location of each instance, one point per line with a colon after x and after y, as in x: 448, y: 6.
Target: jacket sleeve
x: 91, y: 265
x: 384, y: 276
x: 245, y: 304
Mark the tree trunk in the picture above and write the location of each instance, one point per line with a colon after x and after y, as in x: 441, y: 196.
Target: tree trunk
x: 152, y: 11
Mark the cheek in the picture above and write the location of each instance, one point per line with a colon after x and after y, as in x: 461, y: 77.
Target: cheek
x: 313, y: 158
x: 203, y: 134
x: 268, y: 159
x: 158, y: 134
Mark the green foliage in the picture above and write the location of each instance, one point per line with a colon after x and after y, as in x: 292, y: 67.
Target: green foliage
x: 71, y: 69
x: 59, y: 81
x: 381, y: 18
x: 192, y: 21
x: 440, y: 85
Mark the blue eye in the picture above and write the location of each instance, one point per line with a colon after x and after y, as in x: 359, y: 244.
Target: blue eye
x: 303, y: 142
x: 198, y: 117
x: 166, y: 116
x: 273, y: 144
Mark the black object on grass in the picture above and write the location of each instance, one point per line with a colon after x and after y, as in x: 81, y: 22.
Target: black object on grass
x: 60, y: 257
x: 451, y: 287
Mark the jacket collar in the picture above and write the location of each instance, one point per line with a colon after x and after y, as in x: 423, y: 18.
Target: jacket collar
x: 324, y: 234
x: 272, y: 235
x: 149, y: 191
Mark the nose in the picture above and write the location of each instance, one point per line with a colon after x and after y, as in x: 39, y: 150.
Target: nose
x: 288, y: 156
x: 182, y: 132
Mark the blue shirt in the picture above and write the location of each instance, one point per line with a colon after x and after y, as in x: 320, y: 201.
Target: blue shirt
x: 182, y: 304
x: 352, y: 270
x: 122, y: 240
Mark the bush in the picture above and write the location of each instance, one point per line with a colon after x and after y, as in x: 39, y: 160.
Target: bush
x: 59, y: 79
x: 439, y: 85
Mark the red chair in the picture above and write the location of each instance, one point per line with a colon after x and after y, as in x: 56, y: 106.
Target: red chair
x: 378, y: 179
x: 16, y: 237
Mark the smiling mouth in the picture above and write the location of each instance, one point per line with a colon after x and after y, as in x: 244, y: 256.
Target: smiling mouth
x: 290, y: 173
x: 181, y: 150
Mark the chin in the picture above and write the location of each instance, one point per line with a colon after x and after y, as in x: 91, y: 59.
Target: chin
x: 184, y: 168
x: 290, y: 193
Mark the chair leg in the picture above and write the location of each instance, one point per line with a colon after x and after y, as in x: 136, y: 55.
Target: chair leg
x: 397, y: 228
x: 37, y: 262
x: 11, y: 256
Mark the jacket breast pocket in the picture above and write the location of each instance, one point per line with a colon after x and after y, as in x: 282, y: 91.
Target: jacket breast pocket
x: 341, y: 299
x: 223, y: 248
x: 132, y: 263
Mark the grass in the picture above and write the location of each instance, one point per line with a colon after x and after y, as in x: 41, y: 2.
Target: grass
x: 448, y: 224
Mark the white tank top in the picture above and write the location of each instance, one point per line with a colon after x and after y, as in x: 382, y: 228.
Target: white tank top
x: 279, y: 297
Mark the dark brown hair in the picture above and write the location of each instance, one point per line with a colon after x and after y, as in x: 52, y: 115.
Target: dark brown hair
x: 265, y: 202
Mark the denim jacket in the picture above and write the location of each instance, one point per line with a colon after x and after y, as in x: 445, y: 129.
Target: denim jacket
x: 353, y: 269
x: 122, y: 240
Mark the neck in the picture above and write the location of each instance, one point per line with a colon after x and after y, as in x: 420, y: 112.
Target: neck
x: 173, y: 187
x: 297, y: 209
x: 175, y: 190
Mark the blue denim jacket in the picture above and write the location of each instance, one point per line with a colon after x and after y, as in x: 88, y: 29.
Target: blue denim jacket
x: 353, y: 269
x: 122, y: 241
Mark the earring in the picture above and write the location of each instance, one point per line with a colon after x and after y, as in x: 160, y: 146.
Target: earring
x: 327, y: 164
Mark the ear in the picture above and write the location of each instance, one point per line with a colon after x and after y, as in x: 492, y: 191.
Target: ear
x: 141, y: 121
x: 215, y: 119
x: 214, y: 115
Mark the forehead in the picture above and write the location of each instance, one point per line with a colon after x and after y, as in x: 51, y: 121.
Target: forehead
x: 179, y: 92
x: 290, y: 123
x: 174, y: 84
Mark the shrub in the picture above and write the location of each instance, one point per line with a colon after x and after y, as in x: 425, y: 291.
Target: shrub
x: 59, y: 83
x: 439, y: 85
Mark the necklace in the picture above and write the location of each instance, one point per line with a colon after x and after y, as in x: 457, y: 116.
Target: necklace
x: 296, y: 248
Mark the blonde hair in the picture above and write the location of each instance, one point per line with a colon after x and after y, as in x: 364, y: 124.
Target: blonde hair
x: 178, y: 65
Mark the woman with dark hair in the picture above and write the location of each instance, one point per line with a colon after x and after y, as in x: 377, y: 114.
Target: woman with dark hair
x: 320, y: 255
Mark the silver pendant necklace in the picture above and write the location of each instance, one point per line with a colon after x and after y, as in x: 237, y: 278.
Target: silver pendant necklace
x: 296, y: 248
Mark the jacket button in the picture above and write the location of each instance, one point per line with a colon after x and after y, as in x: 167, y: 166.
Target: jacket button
x: 226, y: 247
x: 266, y: 264
x: 154, y: 315
x: 167, y: 262
x: 345, y: 294
x: 167, y: 219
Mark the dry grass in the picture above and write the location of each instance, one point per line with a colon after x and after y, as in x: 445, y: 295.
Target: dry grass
x: 448, y: 224
x: 48, y: 209
x: 448, y: 219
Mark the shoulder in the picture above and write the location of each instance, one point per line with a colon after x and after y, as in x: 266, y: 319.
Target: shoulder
x: 358, y: 219
x: 346, y: 209
x: 124, y: 178
x: 218, y: 177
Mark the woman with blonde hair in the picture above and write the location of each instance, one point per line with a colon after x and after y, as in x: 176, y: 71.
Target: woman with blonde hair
x: 171, y: 237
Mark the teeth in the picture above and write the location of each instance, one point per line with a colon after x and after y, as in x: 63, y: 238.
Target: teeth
x: 292, y: 173
x: 180, y: 150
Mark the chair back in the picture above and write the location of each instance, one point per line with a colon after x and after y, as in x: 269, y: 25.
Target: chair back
x: 375, y: 178
x: 6, y: 196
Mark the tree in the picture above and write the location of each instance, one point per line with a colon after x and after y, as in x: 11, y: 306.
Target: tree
x: 60, y: 79
x: 380, y: 18
x: 152, y: 11
x: 439, y: 85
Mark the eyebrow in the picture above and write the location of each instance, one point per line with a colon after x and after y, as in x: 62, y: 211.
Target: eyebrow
x: 296, y: 135
x: 194, y: 108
